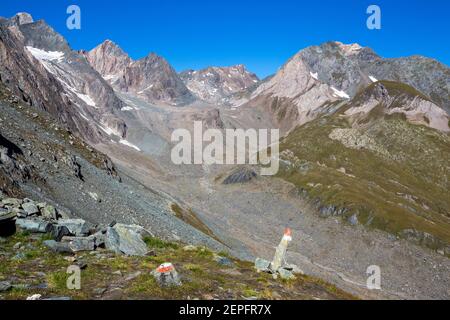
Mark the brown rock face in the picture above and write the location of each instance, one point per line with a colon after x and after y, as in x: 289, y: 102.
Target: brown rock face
x: 109, y: 60
x: 153, y: 79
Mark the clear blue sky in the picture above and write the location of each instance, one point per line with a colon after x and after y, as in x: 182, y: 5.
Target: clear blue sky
x: 258, y: 33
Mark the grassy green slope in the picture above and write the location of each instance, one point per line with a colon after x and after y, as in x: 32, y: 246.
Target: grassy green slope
x: 111, y: 276
x: 393, y: 174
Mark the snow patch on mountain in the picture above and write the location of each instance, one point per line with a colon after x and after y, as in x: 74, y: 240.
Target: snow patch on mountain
x: 109, y: 131
x: 217, y: 85
x: 314, y: 75
x: 128, y: 108
x: 46, y: 55
x: 373, y: 79
x: 129, y: 144
x: 87, y: 99
x: 340, y: 93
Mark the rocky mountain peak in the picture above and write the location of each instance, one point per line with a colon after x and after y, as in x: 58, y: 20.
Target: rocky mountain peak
x: 349, y: 49
x: 293, y: 78
x: 217, y: 84
x: 153, y: 79
x: 389, y: 97
x: 108, y: 59
x: 22, y: 18
x: 351, y: 68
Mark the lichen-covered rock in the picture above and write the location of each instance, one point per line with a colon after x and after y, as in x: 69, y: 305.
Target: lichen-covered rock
x: 30, y: 208
x: 49, y: 212
x: 34, y: 225
x: 127, y: 239
x: 77, y: 227
x: 77, y: 244
x: 58, y: 247
x: 58, y: 232
x: 12, y: 202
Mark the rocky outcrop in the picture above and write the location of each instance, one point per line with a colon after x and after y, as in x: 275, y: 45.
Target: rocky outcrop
x: 292, y: 97
x: 240, y: 175
x: 39, y: 67
x: 109, y: 60
x: 217, y: 85
x: 388, y: 97
x: 352, y: 67
x: 74, y: 235
x: 13, y: 168
x: 153, y: 79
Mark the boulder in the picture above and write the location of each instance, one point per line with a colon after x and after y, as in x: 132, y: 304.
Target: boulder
x: 77, y: 244
x: 240, y: 175
x: 12, y: 202
x: 6, y: 215
x: 77, y: 227
x: 49, y: 212
x: 59, y: 247
x: 166, y: 275
x: 19, y: 256
x: 100, y: 239
x: 30, y: 208
x: 126, y: 239
x: 262, y: 265
x: 58, y: 232
x: 21, y: 214
x: 34, y: 225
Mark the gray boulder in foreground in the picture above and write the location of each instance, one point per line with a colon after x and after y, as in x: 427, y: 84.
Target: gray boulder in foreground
x: 49, y: 212
x: 58, y: 247
x: 34, y: 226
x: 58, y: 232
x: 77, y: 227
x: 127, y: 239
x: 77, y: 244
x: 30, y: 208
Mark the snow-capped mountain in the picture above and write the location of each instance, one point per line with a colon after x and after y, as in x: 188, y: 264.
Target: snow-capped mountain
x: 293, y: 96
x: 39, y: 65
x: 351, y: 67
x: 151, y: 78
x: 217, y: 85
x: 318, y: 79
